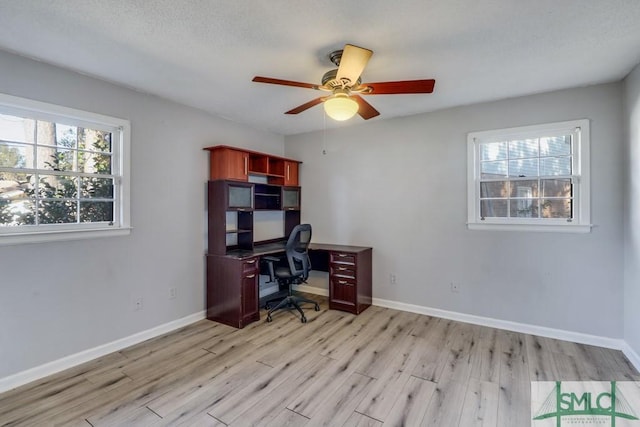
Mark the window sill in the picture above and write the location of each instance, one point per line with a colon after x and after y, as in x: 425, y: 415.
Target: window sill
x: 553, y: 228
x: 62, y: 235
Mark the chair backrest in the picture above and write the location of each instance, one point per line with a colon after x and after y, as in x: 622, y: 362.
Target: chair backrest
x: 297, y: 251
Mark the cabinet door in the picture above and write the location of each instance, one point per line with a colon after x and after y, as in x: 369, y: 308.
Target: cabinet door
x: 290, y: 198
x: 229, y: 164
x: 239, y: 196
x: 250, y: 301
x: 291, y: 173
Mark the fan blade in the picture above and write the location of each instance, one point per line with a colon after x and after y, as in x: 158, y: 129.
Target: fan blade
x: 306, y: 106
x: 407, y: 86
x: 365, y: 109
x: 352, y: 62
x: 259, y: 79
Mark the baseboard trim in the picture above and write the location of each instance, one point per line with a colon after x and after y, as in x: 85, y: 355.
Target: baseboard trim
x: 72, y: 360
x: 631, y: 354
x: 577, y: 337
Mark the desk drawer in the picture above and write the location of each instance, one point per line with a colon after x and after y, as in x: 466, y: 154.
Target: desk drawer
x: 343, y: 293
x: 342, y: 258
x: 343, y: 270
x: 249, y: 266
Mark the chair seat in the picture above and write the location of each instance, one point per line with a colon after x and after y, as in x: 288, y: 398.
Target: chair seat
x: 283, y: 273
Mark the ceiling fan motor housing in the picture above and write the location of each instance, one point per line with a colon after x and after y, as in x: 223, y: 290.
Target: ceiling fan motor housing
x: 329, y: 80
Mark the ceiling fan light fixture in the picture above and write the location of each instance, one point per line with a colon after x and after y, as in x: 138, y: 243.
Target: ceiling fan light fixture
x: 340, y: 107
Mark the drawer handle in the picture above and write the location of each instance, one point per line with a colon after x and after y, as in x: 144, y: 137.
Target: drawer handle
x: 251, y: 276
x: 342, y: 268
x: 342, y: 282
x: 342, y: 255
x: 250, y: 262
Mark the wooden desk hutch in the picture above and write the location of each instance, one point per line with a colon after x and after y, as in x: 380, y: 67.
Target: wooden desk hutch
x: 233, y: 269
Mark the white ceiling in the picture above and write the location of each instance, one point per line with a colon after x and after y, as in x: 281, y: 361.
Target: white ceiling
x: 204, y: 53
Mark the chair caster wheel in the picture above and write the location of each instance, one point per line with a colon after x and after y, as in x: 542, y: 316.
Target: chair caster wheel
x: 269, y: 319
x: 317, y: 307
x: 303, y: 319
x: 267, y: 307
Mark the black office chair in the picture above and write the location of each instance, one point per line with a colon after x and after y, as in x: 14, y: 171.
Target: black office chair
x: 295, y: 271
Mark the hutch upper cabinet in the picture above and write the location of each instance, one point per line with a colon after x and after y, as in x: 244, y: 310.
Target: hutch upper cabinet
x: 226, y: 163
x: 237, y: 164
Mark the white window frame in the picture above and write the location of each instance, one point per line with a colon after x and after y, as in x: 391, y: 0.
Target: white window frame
x: 120, y: 131
x: 581, y: 221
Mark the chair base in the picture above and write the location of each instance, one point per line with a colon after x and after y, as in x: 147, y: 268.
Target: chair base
x: 291, y: 302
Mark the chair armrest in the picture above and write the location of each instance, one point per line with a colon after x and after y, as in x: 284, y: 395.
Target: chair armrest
x: 270, y: 260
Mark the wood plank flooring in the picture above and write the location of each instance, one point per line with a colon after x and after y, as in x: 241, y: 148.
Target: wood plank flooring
x: 381, y: 368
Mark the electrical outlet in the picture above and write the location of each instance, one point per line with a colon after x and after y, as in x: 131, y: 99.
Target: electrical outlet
x: 137, y: 304
x: 455, y: 287
x: 392, y: 279
x: 173, y: 293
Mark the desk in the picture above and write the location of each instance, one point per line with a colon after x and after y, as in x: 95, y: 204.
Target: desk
x: 233, y: 280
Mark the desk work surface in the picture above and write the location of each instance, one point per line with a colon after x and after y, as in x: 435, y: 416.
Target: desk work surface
x: 272, y: 248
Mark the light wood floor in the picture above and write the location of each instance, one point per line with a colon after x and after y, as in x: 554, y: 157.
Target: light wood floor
x: 383, y: 367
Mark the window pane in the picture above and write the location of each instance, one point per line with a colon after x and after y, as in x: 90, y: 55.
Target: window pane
x: 95, y: 163
x: 13, y: 185
x: 57, y: 159
x: 45, y: 133
x: 94, y: 140
x: 493, y: 169
x: 493, y: 151
x: 556, y: 208
x: 16, y: 155
x: 494, y: 189
x: 524, y: 208
x: 17, y: 212
x: 528, y: 188
x: 96, y: 211
x: 555, y: 166
x: 57, y: 186
x: 16, y: 207
x: 66, y: 136
x: 101, y: 188
x: 57, y: 211
x: 556, y: 187
x: 493, y: 208
x: 16, y: 129
x: 524, y: 148
x: 555, y: 146
x: 523, y: 167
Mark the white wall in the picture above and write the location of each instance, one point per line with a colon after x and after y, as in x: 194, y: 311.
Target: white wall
x: 58, y: 299
x: 399, y: 185
x: 632, y: 212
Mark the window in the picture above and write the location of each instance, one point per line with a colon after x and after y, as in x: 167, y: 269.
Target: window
x: 530, y: 178
x: 63, y: 173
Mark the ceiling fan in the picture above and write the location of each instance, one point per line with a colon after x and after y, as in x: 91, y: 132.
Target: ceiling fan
x: 345, y: 86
